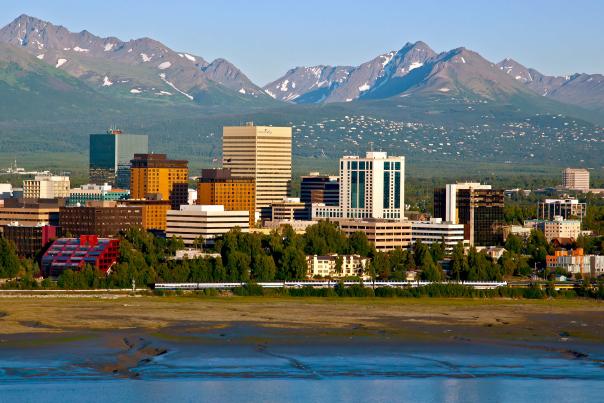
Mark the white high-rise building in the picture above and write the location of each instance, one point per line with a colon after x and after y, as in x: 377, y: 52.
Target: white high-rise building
x: 263, y: 153
x: 46, y: 187
x: 370, y: 187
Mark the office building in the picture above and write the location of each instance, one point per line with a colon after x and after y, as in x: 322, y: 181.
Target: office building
x: 31, y: 213
x: 556, y: 228
x: 438, y: 231
x: 46, y: 187
x: 575, y: 179
x: 219, y: 187
x: 290, y: 209
x: 154, y: 212
x: 30, y: 240
x: 370, y: 187
x: 478, y: 207
x: 566, y: 208
x: 385, y: 235
x: 327, y: 266
x: 92, y: 192
x: 103, y: 219
x: 6, y: 191
x: 205, y: 223
x: 110, y: 156
x: 263, y: 153
x: 78, y: 253
x: 155, y: 174
x: 317, y: 188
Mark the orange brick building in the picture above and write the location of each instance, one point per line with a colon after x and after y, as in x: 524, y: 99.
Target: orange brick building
x: 218, y: 187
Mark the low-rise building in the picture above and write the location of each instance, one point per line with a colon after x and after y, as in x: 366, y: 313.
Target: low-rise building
x: 573, y: 261
x: 556, y: 228
x: 99, y: 218
x: 517, y: 230
x: 290, y: 209
x: 31, y: 213
x: 438, y: 231
x: 205, y: 223
x: 384, y: 234
x: 29, y: 241
x: 337, y: 266
x: 6, y: 191
x: 77, y: 253
x: 92, y: 192
x: 46, y: 187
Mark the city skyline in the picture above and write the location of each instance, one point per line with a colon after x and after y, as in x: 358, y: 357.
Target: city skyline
x: 549, y: 36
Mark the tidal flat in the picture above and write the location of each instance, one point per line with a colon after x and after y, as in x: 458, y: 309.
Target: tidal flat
x: 131, y: 345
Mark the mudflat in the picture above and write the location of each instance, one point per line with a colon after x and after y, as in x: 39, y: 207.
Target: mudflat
x: 428, y: 319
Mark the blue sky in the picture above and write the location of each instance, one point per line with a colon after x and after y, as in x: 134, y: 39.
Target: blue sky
x: 266, y: 38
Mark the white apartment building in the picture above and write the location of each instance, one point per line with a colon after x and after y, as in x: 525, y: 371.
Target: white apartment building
x: 370, y: 187
x: 191, y: 222
x: 325, y: 266
x: 263, y: 153
x: 575, y: 179
x: 436, y: 231
x: 46, y: 187
x: 6, y: 190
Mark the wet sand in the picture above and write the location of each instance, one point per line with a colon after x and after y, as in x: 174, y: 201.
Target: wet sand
x: 125, y: 337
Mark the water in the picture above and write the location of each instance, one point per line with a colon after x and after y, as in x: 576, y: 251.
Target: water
x: 245, y: 367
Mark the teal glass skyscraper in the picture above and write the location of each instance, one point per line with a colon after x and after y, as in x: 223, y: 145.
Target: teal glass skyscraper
x: 110, y: 155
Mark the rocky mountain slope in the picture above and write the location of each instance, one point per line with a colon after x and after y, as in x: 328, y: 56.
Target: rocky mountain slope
x: 140, y: 68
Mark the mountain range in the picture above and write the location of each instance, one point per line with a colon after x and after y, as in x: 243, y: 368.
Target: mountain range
x: 53, y: 80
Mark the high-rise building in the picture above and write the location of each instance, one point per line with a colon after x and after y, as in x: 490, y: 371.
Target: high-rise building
x: 317, y: 188
x: 154, y: 174
x: 263, y: 153
x: 110, y: 156
x: 46, y: 187
x: 477, y: 206
x: 575, y: 179
x: 370, y: 187
x: 154, y: 212
x: 566, y: 208
x: 205, y: 223
x: 219, y: 187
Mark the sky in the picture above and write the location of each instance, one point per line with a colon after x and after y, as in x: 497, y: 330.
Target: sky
x: 265, y: 38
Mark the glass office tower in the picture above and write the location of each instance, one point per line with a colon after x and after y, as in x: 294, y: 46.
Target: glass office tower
x: 110, y: 155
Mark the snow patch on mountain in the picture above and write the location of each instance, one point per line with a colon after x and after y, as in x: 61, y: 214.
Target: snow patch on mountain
x: 284, y: 84
x: 81, y: 50
x: 41, y: 57
x: 415, y: 65
x: 164, y: 65
x: 191, y: 58
x: 135, y: 91
x: 364, y: 87
x: 109, y: 46
x: 144, y: 57
x: 163, y: 77
x: 242, y: 91
x: 60, y: 62
x: 107, y: 82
